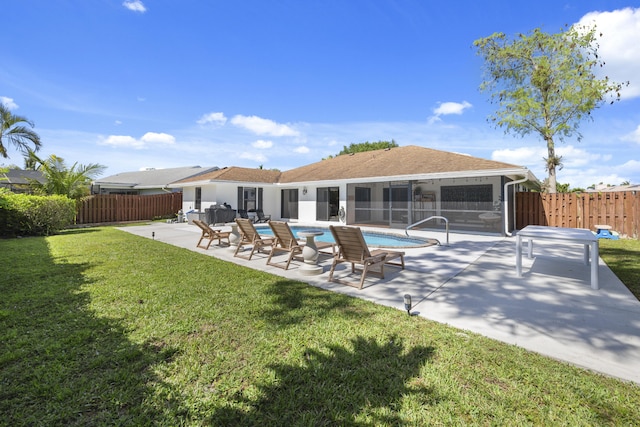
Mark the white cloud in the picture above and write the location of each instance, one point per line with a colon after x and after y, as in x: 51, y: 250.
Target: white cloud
x: 135, y: 5
x: 8, y: 102
x: 533, y: 157
x: 261, y: 126
x: 152, y: 138
x: 520, y: 156
x: 633, y: 136
x: 122, y: 141
x: 447, y: 108
x: 628, y: 169
x: 256, y: 157
x: 301, y: 150
x: 619, y: 46
x: 573, y: 157
x: 580, y: 168
x: 262, y: 144
x: 147, y: 140
x: 216, y: 118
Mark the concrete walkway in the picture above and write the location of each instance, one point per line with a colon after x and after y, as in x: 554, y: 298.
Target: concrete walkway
x: 472, y: 284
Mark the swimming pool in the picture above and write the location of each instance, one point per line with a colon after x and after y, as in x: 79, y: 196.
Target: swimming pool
x: 373, y: 239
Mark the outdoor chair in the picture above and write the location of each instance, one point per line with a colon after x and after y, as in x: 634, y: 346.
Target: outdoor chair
x: 287, y: 242
x: 243, y: 213
x: 209, y: 235
x: 261, y: 217
x: 249, y: 236
x: 353, y: 249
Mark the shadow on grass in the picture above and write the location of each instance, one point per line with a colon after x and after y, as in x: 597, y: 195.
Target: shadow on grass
x: 74, y: 231
x: 361, y: 385
x: 294, y: 301
x: 361, y: 382
x: 59, y: 363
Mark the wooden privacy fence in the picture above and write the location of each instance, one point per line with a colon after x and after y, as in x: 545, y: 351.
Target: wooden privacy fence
x: 105, y: 208
x: 620, y: 210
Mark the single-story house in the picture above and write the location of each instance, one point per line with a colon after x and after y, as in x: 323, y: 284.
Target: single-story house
x: 20, y: 180
x: 605, y: 188
x: 146, y: 182
x: 395, y: 187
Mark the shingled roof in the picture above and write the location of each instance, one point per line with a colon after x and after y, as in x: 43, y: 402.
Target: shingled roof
x: 237, y: 174
x: 151, y: 178
x: 393, y: 162
x: 21, y: 177
x: 397, y: 161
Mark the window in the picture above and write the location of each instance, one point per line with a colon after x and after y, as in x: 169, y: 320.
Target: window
x: 327, y: 203
x: 249, y: 198
x: 289, y: 203
x: 467, y: 197
x: 363, y: 204
x: 198, y: 198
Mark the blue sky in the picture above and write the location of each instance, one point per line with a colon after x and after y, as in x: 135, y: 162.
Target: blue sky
x: 281, y: 84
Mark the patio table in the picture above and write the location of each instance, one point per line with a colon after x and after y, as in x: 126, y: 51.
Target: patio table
x: 565, y: 235
x: 234, y: 237
x: 310, y: 253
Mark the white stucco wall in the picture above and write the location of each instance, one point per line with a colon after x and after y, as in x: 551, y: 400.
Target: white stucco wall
x: 228, y: 193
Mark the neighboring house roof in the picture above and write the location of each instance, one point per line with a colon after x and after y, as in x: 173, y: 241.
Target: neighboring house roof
x: 21, y: 176
x: 608, y: 188
x: 236, y: 174
x: 151, y: 178
x: 392, y: 162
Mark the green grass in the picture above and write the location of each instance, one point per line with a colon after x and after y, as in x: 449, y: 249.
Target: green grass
x: 623, y: 258
x: 100, y: 327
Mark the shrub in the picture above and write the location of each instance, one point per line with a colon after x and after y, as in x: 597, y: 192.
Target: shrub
x: 28, y: 215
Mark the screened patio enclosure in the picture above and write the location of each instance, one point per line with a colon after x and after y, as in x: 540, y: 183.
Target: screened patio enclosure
x: 473, y: 205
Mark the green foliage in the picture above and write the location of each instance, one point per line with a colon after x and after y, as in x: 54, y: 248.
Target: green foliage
x: 14, y: 132
x: 365, y: 146
x: 622, y: 257
x: 544, y: 84
x: 28, y: 215
x: 73, y: 182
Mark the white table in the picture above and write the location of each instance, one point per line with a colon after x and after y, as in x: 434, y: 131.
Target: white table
x: 559, y: 234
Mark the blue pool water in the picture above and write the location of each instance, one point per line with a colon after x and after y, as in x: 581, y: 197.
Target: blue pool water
x: 376, y: 240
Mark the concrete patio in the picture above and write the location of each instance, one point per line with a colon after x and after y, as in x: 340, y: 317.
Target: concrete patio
x: 472, y: 284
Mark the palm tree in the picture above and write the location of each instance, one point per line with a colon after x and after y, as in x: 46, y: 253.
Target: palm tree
x: 14, y: 132
x: 72, y: 182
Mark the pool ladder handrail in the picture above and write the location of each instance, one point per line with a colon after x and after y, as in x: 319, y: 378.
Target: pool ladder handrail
x: 446, y: 224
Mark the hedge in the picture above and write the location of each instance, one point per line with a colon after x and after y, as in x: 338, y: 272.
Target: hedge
x: 28, y: 215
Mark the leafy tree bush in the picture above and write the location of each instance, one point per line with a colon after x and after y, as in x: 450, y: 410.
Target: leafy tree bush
x: 545, y: 84
x: 27, y: 215
x: 365, y: 146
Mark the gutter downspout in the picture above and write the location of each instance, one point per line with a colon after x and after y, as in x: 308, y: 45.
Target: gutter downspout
x: 506, y: 204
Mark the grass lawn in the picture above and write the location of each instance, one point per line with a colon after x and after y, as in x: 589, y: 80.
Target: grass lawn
x: 623, y: 258
x: 101, y: 327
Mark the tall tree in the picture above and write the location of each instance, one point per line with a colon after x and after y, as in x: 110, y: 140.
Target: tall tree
x: 14, y: 132
x: 545, y: 84
x: 73, y: 182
